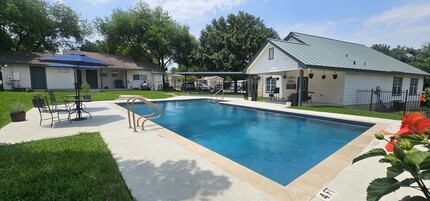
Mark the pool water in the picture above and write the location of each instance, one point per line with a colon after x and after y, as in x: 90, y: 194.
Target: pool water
x: 279, y: 146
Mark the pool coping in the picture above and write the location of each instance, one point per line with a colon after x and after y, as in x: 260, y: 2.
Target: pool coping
x: 306, y: 186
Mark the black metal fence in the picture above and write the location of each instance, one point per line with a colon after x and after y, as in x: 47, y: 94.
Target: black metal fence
x: 401, y: 102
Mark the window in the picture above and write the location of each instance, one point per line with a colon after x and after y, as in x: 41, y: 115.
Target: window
x: 271, y: 53
x: 413, y: 87
x: 140, y: 77
x: 397, y: 86
x: 115, y: 73
x: 291, y: 82
x: 104, y: 74
x: 270, y: 84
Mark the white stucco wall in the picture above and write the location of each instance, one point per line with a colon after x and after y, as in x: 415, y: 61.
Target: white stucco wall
x: 59, y: 78
x: 366, y: 81
x: 280, y: 62
x: 138, y: 83
x: 24, y: 74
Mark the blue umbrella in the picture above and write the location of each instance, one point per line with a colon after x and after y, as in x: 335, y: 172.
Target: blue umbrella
x: 75, y: 61
x: 70, y: 66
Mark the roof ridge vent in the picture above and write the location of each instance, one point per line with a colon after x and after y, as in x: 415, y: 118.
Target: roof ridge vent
x: 353, y: 62
x: 346, y: 54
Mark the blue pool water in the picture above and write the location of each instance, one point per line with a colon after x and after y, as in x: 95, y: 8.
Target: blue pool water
x: 277, y: 145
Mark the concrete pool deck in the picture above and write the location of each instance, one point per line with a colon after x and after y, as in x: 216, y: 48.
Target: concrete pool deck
x: 158, y: 164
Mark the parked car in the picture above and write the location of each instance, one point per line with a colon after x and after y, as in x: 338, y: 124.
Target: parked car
x: 188, y: 86
x: 203, y: 87
x: 217, y: 87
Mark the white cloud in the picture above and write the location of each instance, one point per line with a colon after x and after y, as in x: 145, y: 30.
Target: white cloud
x: 98, y: 2
x: 184, y: 10
x: 400, y: 15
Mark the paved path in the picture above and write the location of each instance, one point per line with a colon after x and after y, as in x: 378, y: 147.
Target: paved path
x: 155, y: 167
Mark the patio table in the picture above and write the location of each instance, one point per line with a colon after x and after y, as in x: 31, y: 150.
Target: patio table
x: 79, y: 109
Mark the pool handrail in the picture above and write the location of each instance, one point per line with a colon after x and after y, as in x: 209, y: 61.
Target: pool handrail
x: 150, y: 116
x: 220, y: 93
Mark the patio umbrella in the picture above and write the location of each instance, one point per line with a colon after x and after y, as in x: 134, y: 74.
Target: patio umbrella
x: 75, y: 61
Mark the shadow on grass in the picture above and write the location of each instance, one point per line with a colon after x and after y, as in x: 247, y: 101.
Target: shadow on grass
x: 172, y: 180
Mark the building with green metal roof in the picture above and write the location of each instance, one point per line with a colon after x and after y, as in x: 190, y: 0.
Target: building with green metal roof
x: 333, y: 70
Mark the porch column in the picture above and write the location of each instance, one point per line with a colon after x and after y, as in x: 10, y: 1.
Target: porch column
x: 126, y: 80
x: 101, y: 77
x: 300, y: 87
x: 249, y: 85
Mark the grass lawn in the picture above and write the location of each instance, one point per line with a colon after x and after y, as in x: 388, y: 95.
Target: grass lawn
x: 8, y: 98
x: 343, y: 110
x: 79, y: 167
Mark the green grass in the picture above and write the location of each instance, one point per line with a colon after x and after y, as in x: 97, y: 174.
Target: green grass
x: 343, y: 110
x: 8, y: 98
x: 79, y: 167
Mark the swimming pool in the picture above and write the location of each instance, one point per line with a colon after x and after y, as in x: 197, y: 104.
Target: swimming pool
x: 279, y: 146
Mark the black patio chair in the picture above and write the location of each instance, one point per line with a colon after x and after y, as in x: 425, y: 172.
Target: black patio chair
x: 307, y: 97
x: 44, y: 108
x: 55, y: 102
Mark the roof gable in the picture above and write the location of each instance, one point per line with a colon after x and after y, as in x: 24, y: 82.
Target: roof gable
x: 316, y: 51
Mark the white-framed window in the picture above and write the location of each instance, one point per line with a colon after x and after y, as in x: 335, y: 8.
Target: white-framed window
x: 104, y: 74
x: 271, y: 53
x: 114, y: 73
x: 138, y: 77
x: 397, y: 86
x: 413, y: 88
x: 270, y: 84
x: 291, y: 82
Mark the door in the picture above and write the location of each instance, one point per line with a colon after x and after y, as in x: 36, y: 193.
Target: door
x: 91, y: 76
x: 305, y: 83
x: 38, y: 77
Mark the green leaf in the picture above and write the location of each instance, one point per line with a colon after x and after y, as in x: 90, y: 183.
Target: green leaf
x: 396, y: 169
x: 389, y: 158
x: 407, y: 182
x: 415, y: 137
x: 415, y: 158
x: 380, y: 187
x: 425, y: 175
x: 425, y: 164
x: 406, y: 144
x: 371, y: 153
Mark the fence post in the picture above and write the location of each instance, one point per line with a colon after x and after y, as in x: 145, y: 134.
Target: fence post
x: 371, y: 100
x: 406, y: 102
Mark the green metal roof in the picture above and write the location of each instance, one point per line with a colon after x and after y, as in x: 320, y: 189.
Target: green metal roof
x: 319, y: 52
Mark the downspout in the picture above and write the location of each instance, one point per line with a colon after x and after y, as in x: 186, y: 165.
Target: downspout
x: 300, y: 88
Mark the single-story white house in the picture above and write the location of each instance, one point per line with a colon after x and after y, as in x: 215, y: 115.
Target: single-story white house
x: 332, y: 71
x: 175, y: 81
x: 22, y: 70
x: 211, y: 80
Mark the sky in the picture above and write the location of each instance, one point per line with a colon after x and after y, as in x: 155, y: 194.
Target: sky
x: 392, y: 22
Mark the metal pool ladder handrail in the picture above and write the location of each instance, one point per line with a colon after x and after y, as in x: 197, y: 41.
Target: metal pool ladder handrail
x: 131, y: 101
x: 220, y: 94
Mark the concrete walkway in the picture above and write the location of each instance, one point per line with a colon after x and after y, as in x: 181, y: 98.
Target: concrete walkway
x: 157, y: 167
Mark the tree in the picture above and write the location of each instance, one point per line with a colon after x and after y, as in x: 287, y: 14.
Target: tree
x: 229, y: 44
x: 34, y: 25
x: 147, y: 34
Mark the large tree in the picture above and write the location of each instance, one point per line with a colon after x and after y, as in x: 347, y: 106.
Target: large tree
x: 147, y: 34
x: 35, y: 25
x: 228, y: 44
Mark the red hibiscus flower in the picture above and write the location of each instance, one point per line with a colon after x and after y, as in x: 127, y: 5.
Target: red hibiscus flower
x: 390, y: 146
x: 422, y: 99
x: 414, y: 123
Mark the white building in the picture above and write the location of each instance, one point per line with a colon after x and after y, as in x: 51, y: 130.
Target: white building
x: 22, y: 70
x: 332, y: 71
